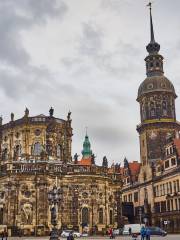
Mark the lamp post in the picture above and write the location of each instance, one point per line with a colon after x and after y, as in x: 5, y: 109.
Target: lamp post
x: 54, y: 197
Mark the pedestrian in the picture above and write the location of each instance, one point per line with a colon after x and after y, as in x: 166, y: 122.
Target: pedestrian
x: 2, y: 235
x: 5, y: 235
x: 130, y: 231
x: 148, y: 234
x: 143, y: 233
x: 70, y: 237
x: 110, y: 233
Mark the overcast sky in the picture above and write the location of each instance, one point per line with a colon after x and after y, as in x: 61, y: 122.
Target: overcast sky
x: 86, y: 56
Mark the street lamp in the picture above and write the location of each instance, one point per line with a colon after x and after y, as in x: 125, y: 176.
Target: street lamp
x: 54, y: 197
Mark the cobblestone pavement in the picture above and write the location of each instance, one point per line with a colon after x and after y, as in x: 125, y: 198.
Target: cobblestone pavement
x: 169, y: 237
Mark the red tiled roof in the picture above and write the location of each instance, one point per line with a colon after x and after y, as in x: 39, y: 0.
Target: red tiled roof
x: 85, y: 162
x: 134, y: 167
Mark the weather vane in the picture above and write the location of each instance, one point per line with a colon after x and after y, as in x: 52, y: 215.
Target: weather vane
x: 149, y: 5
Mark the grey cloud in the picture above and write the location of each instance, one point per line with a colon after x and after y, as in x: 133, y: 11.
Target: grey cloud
x: 115, y: 5
x: 19, y: 15
x: 91, y: 41
x: 17, y: 84
x: 91, y: 52
x: 111, y: 134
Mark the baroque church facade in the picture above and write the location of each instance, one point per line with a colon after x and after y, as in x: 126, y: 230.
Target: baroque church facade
x: 151, y: 188
x: 35, y: 154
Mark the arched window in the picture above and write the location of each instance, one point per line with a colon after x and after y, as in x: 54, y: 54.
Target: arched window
x: 157, y: 64
x: 17, y: 151
x: 85, y: 216
x: 5, y: 154
x: 101, y: 216
x: 58, y: 151
x: 143, y: 112
x: 152, y: 109
x: 37, y: 149
x: 164, y: 108
x: 151, y: 65
x: 111, y: 217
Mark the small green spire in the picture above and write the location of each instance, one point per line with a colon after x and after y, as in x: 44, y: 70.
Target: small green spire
x: 86, y: 152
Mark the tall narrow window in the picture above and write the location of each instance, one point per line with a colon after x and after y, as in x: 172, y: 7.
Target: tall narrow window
x: 111, y: 217
x: 58, y: 151
x: 152, y: 109
x: 101, y: 216
x: 17, y: 151
x: 85, y: 216
x: 1, y: 216
x: 164, y: 108
x: 178, y: 186
x: 37, y: 149
x: 176, y: 204
x: 170, y: 187
x: 168, y: 205
x: 5, y: 154
x: 175, y: 188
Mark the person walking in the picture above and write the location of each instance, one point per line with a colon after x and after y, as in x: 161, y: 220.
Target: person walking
x: 70, y: 237
x: 143, y: 233
x: 2, y: 235
x: 5, y: 235
x: 130, y: 231
x: 110, y: 233
x: 148, y: 235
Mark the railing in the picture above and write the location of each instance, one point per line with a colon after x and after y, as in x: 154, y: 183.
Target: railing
x: 54, y: 168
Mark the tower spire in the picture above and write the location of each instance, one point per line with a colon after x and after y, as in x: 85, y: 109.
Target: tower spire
x: 153, y: 46
x: 151, y: 23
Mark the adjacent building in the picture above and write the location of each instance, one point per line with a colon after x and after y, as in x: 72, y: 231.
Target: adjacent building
x: 154, y: 193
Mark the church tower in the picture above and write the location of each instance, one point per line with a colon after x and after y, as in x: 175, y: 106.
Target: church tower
x: 86, y: 152
x: 156, y: 96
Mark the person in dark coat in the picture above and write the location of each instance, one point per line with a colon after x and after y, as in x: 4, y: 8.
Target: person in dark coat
x: 148, y: 235
x: 2, y: 235
x: 5, y: 235
x: 130, y: 231
x: 70, y: 237
x: 143, y: 233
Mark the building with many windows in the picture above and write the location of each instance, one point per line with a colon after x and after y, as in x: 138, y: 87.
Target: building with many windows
x: 154, y: 192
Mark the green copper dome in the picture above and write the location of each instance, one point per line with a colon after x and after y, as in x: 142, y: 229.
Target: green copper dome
x: 86, y: 152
